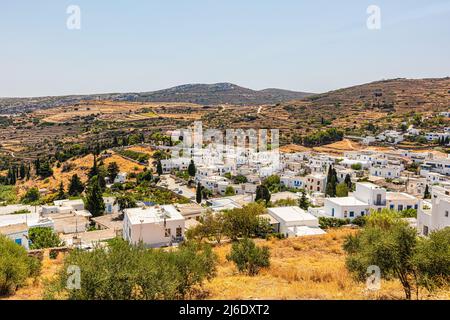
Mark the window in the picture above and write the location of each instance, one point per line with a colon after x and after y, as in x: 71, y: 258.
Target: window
x: 167, y: 233
x: 362, y: 213
x: 345, y: 214
x: 446, y: 214
x: 391, y: 207
x: 179, y: 232
x: 425, y: 230
x: 18, y: 241
x: 352, y: 214
x: 400, y: 207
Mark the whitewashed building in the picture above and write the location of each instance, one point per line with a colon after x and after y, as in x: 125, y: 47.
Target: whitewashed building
x: 155, y: 226
x: 295, y: 222
x: 434, y: 214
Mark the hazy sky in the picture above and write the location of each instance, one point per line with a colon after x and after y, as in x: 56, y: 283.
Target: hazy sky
x: 127, y: 45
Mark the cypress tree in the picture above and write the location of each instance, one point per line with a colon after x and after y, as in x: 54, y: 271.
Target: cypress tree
x: 159, y: 169
x: 61, y: 195
x: 22, y: 171
x: 192, y: 170
x: 348, y: 182
x: 94, y: 198
x: 76, y: 187
x: 94, y: 170
x: 303, y: 201
x: 198, y: 196
x: 427, y: 194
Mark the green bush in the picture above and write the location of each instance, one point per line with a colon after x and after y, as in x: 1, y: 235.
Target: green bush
x: 32, y: 195
x: 127, y: 272
x: 326, y: 222
x: 15, y: 266
x: 249, y: 258
x: 359, y: 221
x: 138, y: 156
x: 44, y: 238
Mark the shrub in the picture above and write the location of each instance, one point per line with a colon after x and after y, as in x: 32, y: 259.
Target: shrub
x: 43, y: 238
x: 248, y: 258
x: 326, y: 222
x: 359, y: 221
x: 15, y: 266
x: 432, y: 259
x: 127, y: 272
x: 32, y: 195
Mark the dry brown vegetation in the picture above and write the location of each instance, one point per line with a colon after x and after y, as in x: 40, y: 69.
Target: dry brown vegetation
x: 301, y: 268
x: 81, y: 167
x: 34, y: 288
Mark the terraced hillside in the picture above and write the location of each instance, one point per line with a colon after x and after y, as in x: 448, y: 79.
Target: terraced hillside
x: 356, y: 110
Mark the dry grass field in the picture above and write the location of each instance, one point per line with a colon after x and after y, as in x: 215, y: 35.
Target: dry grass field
x: 301, y: 268
x: 339, y: 147
x: 118, y: 111
x: 306, y: 268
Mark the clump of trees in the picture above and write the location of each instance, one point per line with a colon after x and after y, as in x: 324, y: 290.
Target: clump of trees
x: 137, y: 156
x: 262, y: 194
x: 322, y: 137
x: 393, y: 246
x: 249, y: 258
x: 127, y: 272
x: 239, y: 223
x: 15, y: 266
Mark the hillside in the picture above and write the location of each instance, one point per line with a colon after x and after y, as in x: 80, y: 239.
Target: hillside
x: 305, y: 268
x: 206, y: 94
x: 380, y: 105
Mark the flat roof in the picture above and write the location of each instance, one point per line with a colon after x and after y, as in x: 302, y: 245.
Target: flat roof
x: 369, y: 185
x: 346, y: 201
x: 291, y: 214
x: 15, y: 228
x: 399, y: 196
x: 153, y: 214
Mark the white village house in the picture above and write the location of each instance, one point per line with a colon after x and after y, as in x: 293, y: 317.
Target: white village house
x: 434, y: 214
x: 294, y: 222
x: 156, y: 226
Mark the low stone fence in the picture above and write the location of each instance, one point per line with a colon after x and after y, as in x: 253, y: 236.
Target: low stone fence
x: 49, y: 252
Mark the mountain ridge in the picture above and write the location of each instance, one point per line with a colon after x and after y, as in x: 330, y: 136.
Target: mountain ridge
x: 207, y: 94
